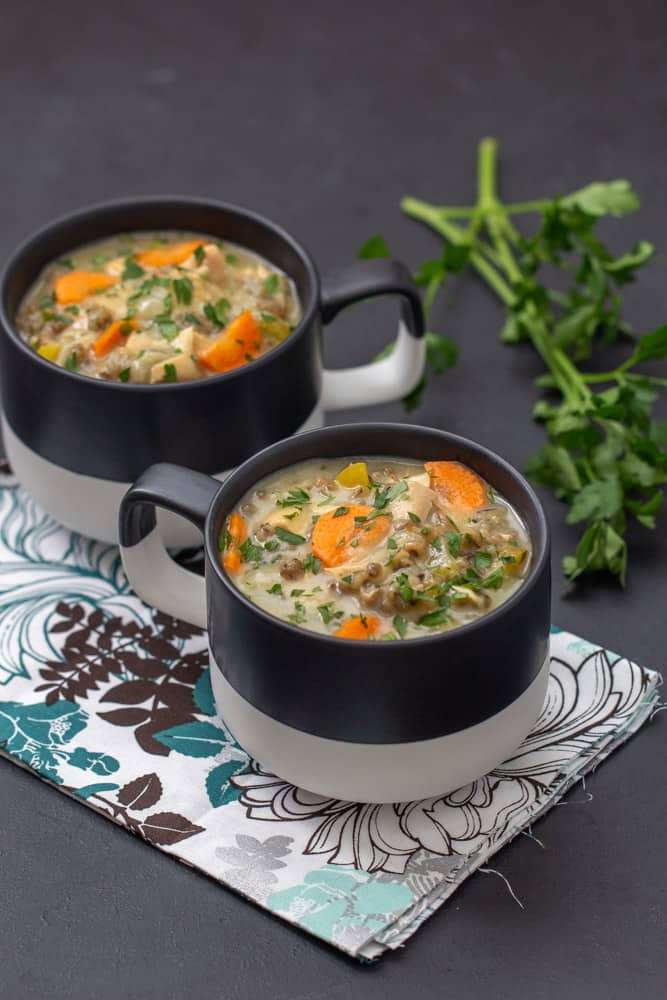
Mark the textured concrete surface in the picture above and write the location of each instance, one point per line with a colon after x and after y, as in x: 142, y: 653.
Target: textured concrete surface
x: 322, y: 117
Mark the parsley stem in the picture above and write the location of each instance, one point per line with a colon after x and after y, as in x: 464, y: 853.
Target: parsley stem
x: 432, y: 216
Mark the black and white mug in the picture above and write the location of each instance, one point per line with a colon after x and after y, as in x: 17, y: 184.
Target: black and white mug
x: 76, y: 443
x: 366, y: 721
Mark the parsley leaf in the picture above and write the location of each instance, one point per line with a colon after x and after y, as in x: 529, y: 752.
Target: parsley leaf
x: 289, y: 536
x: 183, y: 290
x: 251, y: 551
x: 270, y: 286
x: 294, y: 498
x: 131, y: 269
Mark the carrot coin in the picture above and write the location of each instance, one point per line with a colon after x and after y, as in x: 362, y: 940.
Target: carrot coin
x: 240, y: 342
x: 78, y: 285
x: 168, y: 256
x: 360, y: 627
x: 335, y: 531
x: 232, y: 560
x: 114, y: 335
x: 237, y: 529
x: 457, y: 486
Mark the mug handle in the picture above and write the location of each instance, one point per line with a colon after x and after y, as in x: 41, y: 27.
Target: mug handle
x: 398, y: 373
x: 150, y: 570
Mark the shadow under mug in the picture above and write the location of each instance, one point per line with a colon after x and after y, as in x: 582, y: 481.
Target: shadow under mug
x: 76, y: 443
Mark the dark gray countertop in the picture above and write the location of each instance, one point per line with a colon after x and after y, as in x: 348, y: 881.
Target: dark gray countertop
x: 322, y: 117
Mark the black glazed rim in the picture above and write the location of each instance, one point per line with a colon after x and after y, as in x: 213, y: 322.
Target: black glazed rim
x: 29, y: 244
x: 540, y: 538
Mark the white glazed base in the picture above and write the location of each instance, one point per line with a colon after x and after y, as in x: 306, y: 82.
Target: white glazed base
x: 368, y: 772
x: 89, y: 505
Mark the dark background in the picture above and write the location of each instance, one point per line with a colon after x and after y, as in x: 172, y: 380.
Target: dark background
x: 323, y: 116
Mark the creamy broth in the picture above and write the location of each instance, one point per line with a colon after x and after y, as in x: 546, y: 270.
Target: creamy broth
x: 158, y: 307
x: 375, y: 548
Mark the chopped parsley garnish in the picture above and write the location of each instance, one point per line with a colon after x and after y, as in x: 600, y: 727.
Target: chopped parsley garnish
x: 267, y: 318
x: 404, y: 589
x: 276, y: 589
x: 200, y: 254
x: 454, y: 539
x: 384, y: 497
x: 289, y: 536
x: 312, y: 563
x: 48, y: 300
x: 494, y: 580
x: 325, y: 612
x: 482, y: 561
x: 209, y: 313
x: 401, y: 625
x: 99, y: 260
x: 295, y: 498
x: 347, y: 579
x: 299, y: 615
x: 183, y: 290
x: 438, y: 617
x: 224, y: 539
x: 72, y: 362
x: 74, y: 310
x: 217, y: 314
x: 270, y: 285
x: 191, y: 318
x: 391, y: 543
x: 271, y: 545
x: 48, y: 314
x: 437, y: 542
x: 414, y: 517
x: 250, y: 551
x: 124, y: 376
x: 131, y: 269
x: 66, y: 262
x: 340, y: 511
x: 170, y: 373
x: 168, y: 329
x: 231, y: 258
x: 297, y: 592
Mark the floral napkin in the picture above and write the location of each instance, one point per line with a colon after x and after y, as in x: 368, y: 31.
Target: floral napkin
x: 111, y: 702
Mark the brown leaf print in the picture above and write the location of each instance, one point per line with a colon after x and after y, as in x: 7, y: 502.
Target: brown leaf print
x: 141, y: 793
x: 144, y: 662
x: 131, y: 692
x: 168, y: 828
x: 126, y: 716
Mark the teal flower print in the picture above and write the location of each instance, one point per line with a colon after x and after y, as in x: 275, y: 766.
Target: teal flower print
x: 38, y: 735
x: 331, y: 903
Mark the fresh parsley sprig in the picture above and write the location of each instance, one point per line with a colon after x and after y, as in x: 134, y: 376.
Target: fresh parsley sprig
x: 606, y: 454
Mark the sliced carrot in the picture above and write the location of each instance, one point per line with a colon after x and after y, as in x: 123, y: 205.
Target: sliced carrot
x: 168, y: 256
x: 77, y: 285
x: 240, y: 342
x: 114, y: 334
x: 458, y: 486
x: 333, y: 535
x: 237, y: 529
x: 232, y: 560
x: 360, y: 627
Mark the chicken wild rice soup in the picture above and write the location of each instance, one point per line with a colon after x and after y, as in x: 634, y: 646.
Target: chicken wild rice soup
x: 375, y: 548
x: 157, y: 307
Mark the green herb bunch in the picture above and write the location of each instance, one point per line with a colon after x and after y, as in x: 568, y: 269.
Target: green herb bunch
x: 605, y: 455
